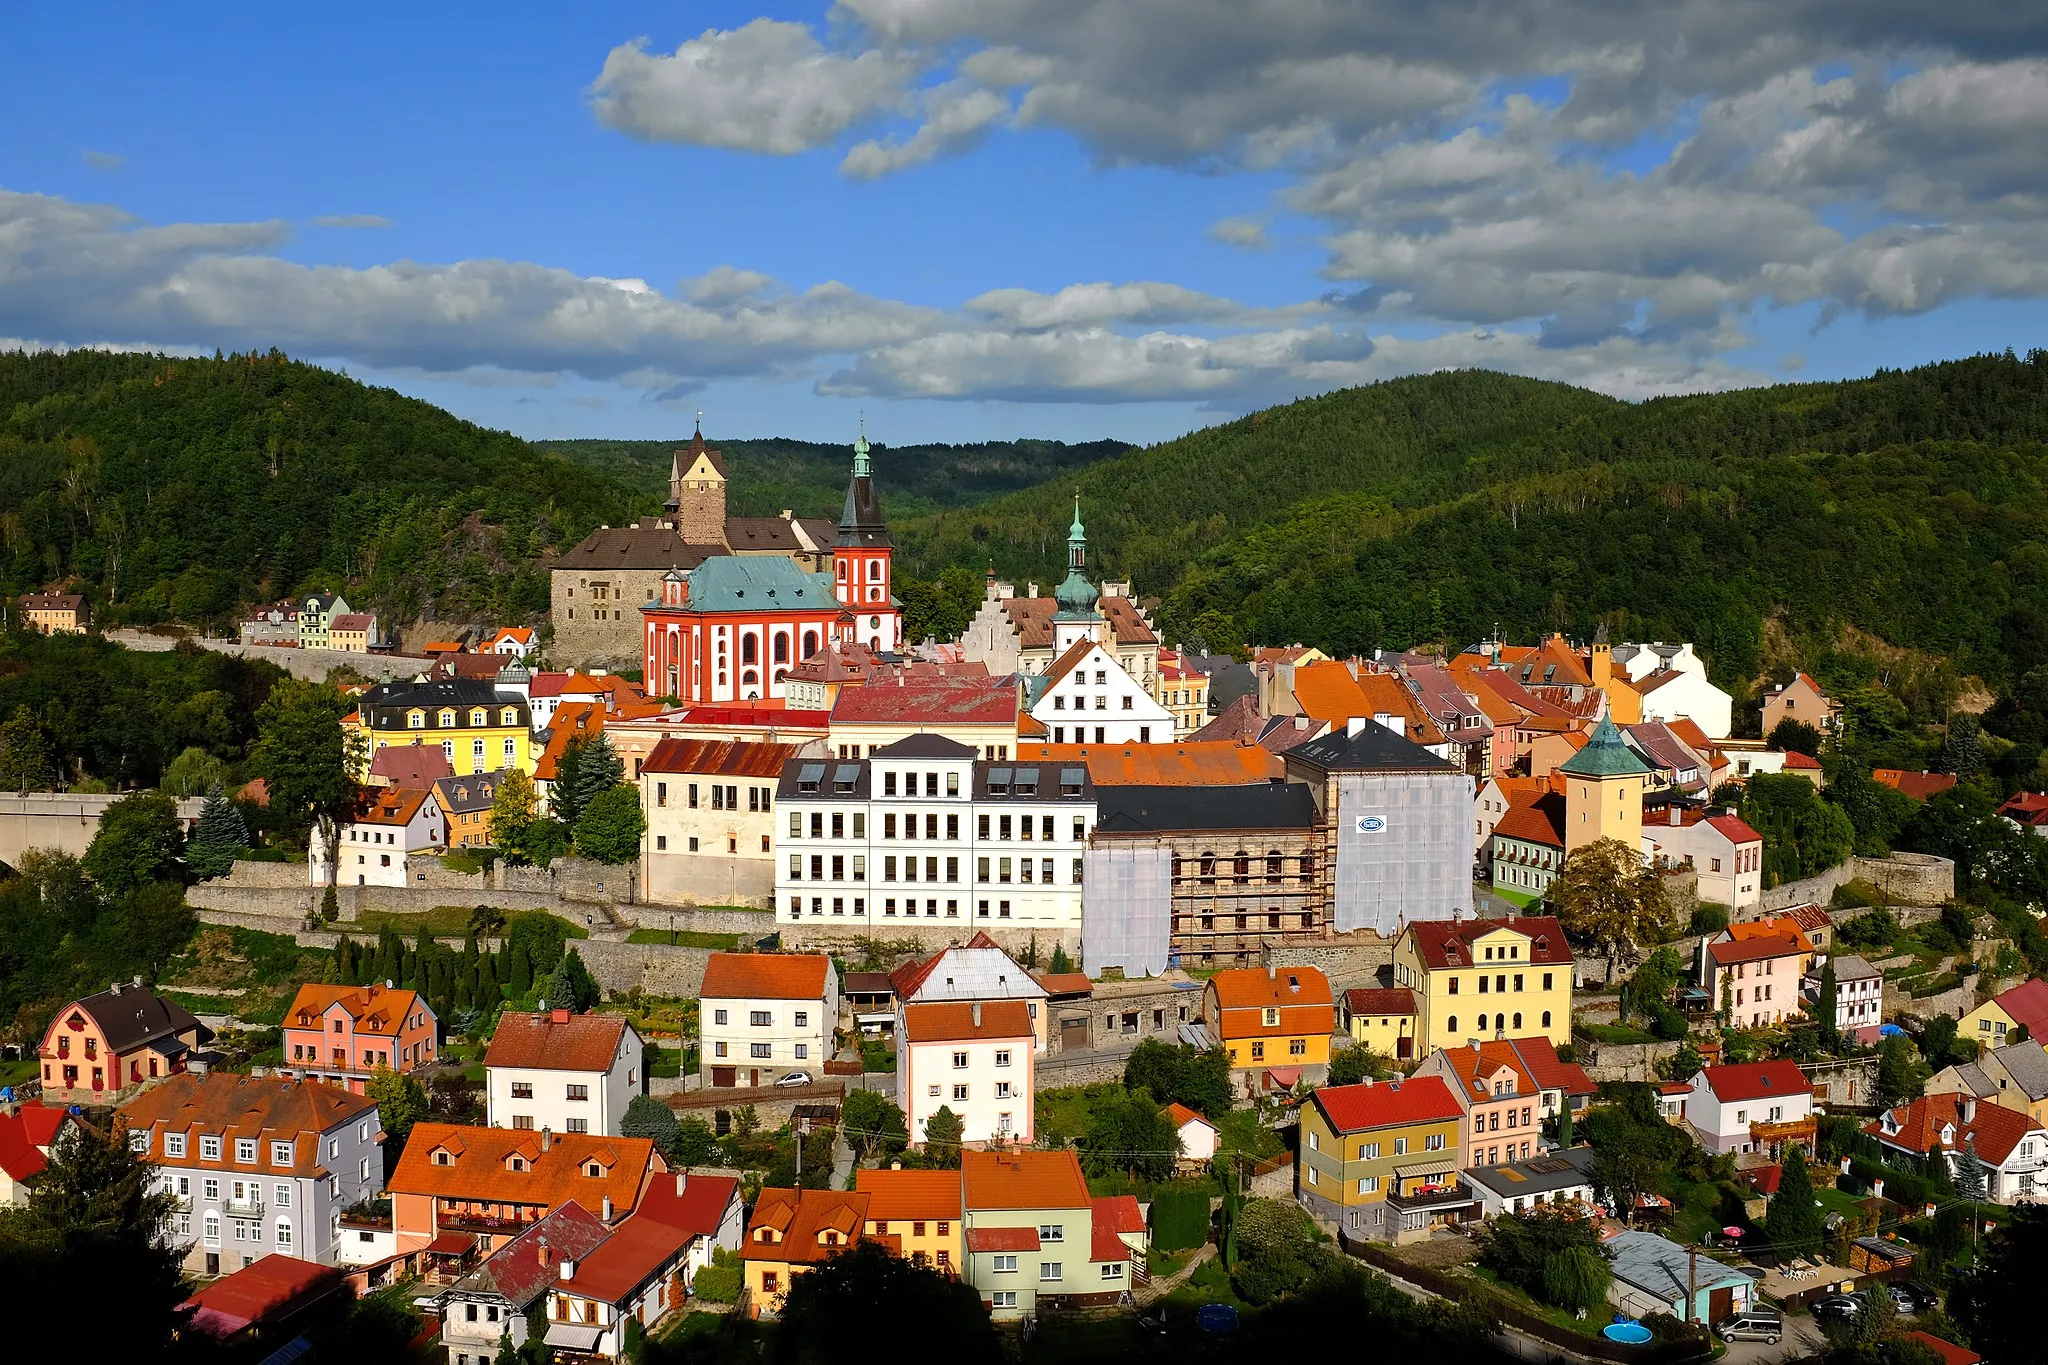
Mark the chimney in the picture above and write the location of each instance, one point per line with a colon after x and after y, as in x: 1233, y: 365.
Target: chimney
x: 1366, y: 1081
x: 568, y: 1271
x: 547, y: 1138
x: 544, y: 1247
x: 1475, y: 1045
x: 136, y: 982
x: 1877, y: 1188
x: 975, y: 1010
x: 1969, y: 1109
x: 1353, y: 726
x: 1272, y: 971
x: 682, y: 1179
x: 607, y: 1208
x: 559, y: 1016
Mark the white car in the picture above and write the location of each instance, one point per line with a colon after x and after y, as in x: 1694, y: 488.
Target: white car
x: 794, y: 1078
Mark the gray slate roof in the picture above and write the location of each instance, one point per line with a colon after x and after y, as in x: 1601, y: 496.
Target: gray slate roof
x: 2027, y: 1063
x: 1373, y: 749
x: 1546, y: 1174
x: 1658, y: 1266
x: 1270, y: 805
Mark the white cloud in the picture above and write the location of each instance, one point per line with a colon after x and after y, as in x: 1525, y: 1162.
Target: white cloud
x: 1143, y: 304
x: 352, y: 220
x: 1249, y: 233
x: 769, y: 86
x: 103, y: 161
x: 957, y: 115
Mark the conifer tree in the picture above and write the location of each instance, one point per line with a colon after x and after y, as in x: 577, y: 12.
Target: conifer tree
x: 521, y: 984
x: 220, y: 837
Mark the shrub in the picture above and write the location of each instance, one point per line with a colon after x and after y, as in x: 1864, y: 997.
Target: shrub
x: 1872, y: 929
x: 722, y: 1280
x: 1857, y: 891
x: 1708, y: 918
x: 1180, y: 1216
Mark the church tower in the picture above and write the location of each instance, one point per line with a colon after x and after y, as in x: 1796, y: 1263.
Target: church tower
x: 1603, y: 797
x: 696, y: 492
x: 861, y: 558
x: 1076, y: 617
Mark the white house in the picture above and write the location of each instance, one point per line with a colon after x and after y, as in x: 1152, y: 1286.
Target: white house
x: 573, y: 1073
x: 1197, y: 1135
x: 975, y: 970
x: 1670, y: 695
x: 1724, y: 853
x: 2009, y: 1148
x: 1859, y: 993
x: 710, y: 808
x: 763, y: 1016
x: 974, y: 1057
x: 1753, y: 1107
x: 391, y: 826
x: 1087, y: 698
x: 511, y: 641
x: 1519, y: 1186
x: 257, y: 1165
x: 923, y: 830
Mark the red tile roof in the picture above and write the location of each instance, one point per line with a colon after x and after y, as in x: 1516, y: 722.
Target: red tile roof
x: 1064, y: 983
x: 1535, y: 820
x: 1022, y: 1180
x: 1551, y: 1071
x: 415, y: 766
x: 1797, y: 762
x: 697, y: 1209
x: 908, y: 1196
x: 263, y: 1107
x: 1388, y: 1000
x: 1114, y: 1216
x: 482, y: 1166
x: 726, y: 758
x: 264, y: 1292
x: 962, y: 702
x: 952, y: 1021
x: 1919, y: 786
x: 803, y: 1218
x: 2027, y: 1003
x: 1213, y: 763
x: 517, y: 1269
x: 1950, y: 1353
x: 1002, y: 1239
x: 23, y: 1135
x: 1995, y: 1130
x: 1756, y: 949
x: 394, y: 806
x: 1300, y: 994
x: 1447, y: 943
x: 1182, y: 1116
x: 556, y: 1041
x: 765, y: 976
x: 1380, y: 1104
x: 1757, y: 1081
x: 1734, y: 829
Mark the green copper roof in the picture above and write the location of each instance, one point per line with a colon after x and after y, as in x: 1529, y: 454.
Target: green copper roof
x: 1074, y: 532
x: 1076, y: 596
x: 1604, y: 756
x: 758, y: 583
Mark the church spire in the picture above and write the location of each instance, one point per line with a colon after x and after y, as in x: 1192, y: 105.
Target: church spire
x: 1076, y: 596
x: 860, y: 521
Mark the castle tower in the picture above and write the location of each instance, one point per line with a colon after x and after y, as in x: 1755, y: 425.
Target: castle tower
x: 696, y: 492
x: 861, y: 558
x: 1076, y: 617
x: 1603, y: 797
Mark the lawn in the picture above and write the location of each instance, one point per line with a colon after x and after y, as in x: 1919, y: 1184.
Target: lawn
x: 691, y: 938
x: 1588, y: 1326
x: 1522, y: 900
x: 15, y: 1072
x: 258, y: 973
x: 1613, y: 1033
x: 443, y: 921
x: 1064, y: 1113
x: 1209, y: 1284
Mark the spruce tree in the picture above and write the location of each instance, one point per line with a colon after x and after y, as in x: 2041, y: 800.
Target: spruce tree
x: 521, y: 984
x: 1970, y: 1182
x: 1564, y: 1125
x: 220, y: 837
x: 598, y: 770
x: 565, y: 793
x: 1793, y: 1221
x: 1826, y: 1007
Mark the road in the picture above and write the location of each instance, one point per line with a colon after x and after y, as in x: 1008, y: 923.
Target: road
x: 1802, y: 1337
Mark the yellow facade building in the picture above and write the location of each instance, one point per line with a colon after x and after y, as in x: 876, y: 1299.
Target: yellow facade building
x: 480, y: 729
x: 1384, y: 1019
x: 1272, y: 1019
x: 1603, y: 795
x: 1381, y: 1159
x: 1486, y: 978
x: 920, y: 1210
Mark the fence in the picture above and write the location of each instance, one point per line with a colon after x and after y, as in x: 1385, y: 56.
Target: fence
x: 1458, y: 1289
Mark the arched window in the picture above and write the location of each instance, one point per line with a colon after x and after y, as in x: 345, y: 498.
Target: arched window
x: 748, y: 677
x: 1451, y: 1024
x: 781, y: 647
x: 1241, y: 867
x: 1480, y: 1023
x: 1272, y: 864
x: 750, y: 648
x: 1518, y: 1023
x: 1546, y: 1018
x: 781, y: 673
x: 810, y: 643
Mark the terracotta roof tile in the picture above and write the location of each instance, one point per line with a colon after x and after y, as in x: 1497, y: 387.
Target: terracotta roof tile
x: 1447, y: 943
x: 943, y: 1021
x: 1756, y: 1081
x: 908, y: 1196
x: 23, y: 1135
x: 803, y: 1219
x: 1386, y: 1000
x: 1379, y: 1104
x: 263, y: 1292
x: 1022, y: 1180
x: 1994, y: 1131
x: 1539, y: 820
x: 482, y: 1166
x: 373, y: 1009
x: 1216, y: 764
x: 960, y: 702
x: 765, y: 976
x: 725, y: 758
x: 556, y: 1041
x: 1300, y: 994
x: 261, y: 1107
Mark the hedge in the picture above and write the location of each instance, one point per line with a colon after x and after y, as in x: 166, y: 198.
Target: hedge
x: 1180, y: 1217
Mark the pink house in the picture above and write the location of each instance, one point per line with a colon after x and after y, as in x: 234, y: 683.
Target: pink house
x: 1506, y: 1087
x: 125, y: 1037
x: 341, y: 1034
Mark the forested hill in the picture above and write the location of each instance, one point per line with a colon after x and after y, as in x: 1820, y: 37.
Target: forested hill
x: 1908, y: 504
x: 181, y: 489
x: 809, y: 478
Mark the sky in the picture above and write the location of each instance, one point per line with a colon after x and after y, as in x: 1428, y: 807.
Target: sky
x: 967, y: 220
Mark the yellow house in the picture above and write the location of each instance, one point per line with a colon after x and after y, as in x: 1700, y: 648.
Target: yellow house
x: 1603, y: 794
x: 1383, y: 1019
x: 920, y: 1210
x: 1278, y: 1019
x: 793, y: 1231
x: 1486, y: 978
x: 55, y: 613
x: 1381, y: 1158
x: 479, y: 728
x: 1992, y: 1023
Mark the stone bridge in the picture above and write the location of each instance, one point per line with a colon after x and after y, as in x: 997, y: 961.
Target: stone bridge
x: 63, y: 821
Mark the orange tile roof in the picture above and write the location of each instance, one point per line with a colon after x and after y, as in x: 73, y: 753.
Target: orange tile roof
x: 765, y: 976
x: 952, y: 1021
x: 1537, y: 820
x: 1301, y: 994
x: 1385, y: 693
x: 1067, y: 662
x: 1022, y: 1180
x: 798, y: 1221
x: 233, y: 1106
x: 389, y: 806
x: 1182, y: 1116
x: 556, y: 1041
x: 571, y: 720
x: 1216, y: 763
x: 725, y: 758
x: 1418, y: 1099
x: 908, y: 1196
x: 480, y: 1166
x: 1328, y: 692
x: 374, y: 1009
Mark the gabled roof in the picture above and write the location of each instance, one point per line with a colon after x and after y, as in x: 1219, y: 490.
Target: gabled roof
x: 1849, y: 967
x: 467, y: 795
x: 1113, y: 1217
x: 924, y: 745
x: 954, y: 1021
x: 1381, y: 1104
x: 909, y: 1195
x: 392, y: 806
x: 1756, y: 949
x: 1251, y: 988
x: 951, y: 702
x: 1920, y: 786
x: 1267, y: 806
x: 766, y: 976
x: 556, y: 1041
x: 722, y: 758
x: 519, y: 1274
x: 1022, y: 1180
x: 1733, y: 828
x: 975, y: 970
x: 1536, y: 820
x: 1182, y: 1116
x: 1756, y: 1081
x: 1374, y: 748
x: 371, y: 1009
x: 1662, y: 1268
x: 130, y: 1016
x: 261, y: 1107
x: 2026, y: 1003
x: 1445, y: 944
x: 31, y: 1128
x: 2027, y: 1064
x: 1187, y: 763
x: 1031, y: 619
x: 267, y: 1291
x: 756, y: 583
x: 416, y: 766
x: 554, y: 1166
x: 1387, y: 1000
x: 802, y: 1217
x: 1934, y: 1122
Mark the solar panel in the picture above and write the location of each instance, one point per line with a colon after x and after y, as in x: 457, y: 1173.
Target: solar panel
x: 1548, y: 1165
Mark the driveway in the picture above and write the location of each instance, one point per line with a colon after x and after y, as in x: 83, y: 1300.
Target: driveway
x: 1802, y: 1337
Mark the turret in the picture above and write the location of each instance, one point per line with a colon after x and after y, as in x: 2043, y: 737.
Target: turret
x: 1075, y: 617
x: 861, y: 558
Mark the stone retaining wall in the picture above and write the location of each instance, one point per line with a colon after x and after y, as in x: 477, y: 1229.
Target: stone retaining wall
x: 1623, y: 1061
x: 1904, y: 878
x: 928, y: 936
x: 656, y: 968
x: 1348, y: 960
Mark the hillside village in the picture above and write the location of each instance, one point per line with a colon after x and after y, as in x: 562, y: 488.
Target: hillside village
x: 1118, y: 984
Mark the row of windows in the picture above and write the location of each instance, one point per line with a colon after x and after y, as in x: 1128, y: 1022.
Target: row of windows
x: 1059, y: 734
x: 962, y: 1093
x: 445, y: 719
x: 241, y: 1230
x: 281, y: 1153
x: 762, y: 1052
x: 1370, y: 1151
x: 510, y: 748
x: 1500, y: 1021
x: 1059, y: 702
x: 763, y: 1018
x: 907, y: 825
x: 988, y: 751
x: 523, y: 1090
x: 246, y: 1192
x: 1500, y: 983
x: 1186, y: 924
x: 722, y: 797
x: 1000, y: 871
x: 931, y: 907
x: 1204, y: 866
x: 732, y: 843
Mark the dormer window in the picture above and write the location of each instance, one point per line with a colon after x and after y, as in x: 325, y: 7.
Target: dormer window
x: 517, y: 1163
x: 415, y: 720
x: 508, y: 717
x: 1272, y: 1017
x: 476, y: 717
x: 594, y: 1171
x: 443, y: 1157
x: 448, y: 716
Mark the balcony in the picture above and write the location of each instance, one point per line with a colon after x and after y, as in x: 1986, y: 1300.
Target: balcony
x: 484, y: 1222
x: 1775, y: 1135
x: 374, y: 1214
x: 245, y: 1205
x: 1433, y: 1201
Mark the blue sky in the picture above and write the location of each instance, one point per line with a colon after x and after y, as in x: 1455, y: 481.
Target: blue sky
x: 1165, y: 190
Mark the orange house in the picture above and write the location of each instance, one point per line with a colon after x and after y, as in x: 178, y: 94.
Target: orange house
x: 102, y: 1046
x: 340, y: 1034
x: 497, y: 1182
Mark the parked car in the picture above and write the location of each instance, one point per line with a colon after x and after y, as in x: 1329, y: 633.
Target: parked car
x: 1754, y: 1324
x: 795, y: 1078
x: 1913, y: 1297
x: 1840, y: 1306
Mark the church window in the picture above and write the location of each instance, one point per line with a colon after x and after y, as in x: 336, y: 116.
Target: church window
x: 750, y: 648
x: 781, y: 647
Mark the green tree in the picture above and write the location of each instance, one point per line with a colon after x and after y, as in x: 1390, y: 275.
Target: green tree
x: 152, y: 924
x: 647, y: 1117
x: 1792, y: 1223
x: 140, y: 841
x: 694, y: 1140
x: 1962, y: 749
x: 1971, y: 1181
x: 1827, y: 1005
x: 25, y: 764
x: 1803, y: 835
x: 1179, y: 1074
x: 1061, y: 963
x: 512, y: 811
x: 1279, y: 1248
x: 1130, y: 1135
x: 1795, y: 737
x: 610, y: 828
x: 401, y: 1101
x: 220, y: 837
x: 541, y: 843
x: 1550, y: 1255
x: 95, y: 1215
x: 1624, y: 1174
x: 942, y: 1133
x: 872, y: 1124
x: 1604, y: 895
x: 1877, y: 813
x: 192, y: 772
x: 307, y: 760
x: 867, y: 1294
x: 1898, y: 1077
x: 1353, y: 1064
x: 1564, y: 1126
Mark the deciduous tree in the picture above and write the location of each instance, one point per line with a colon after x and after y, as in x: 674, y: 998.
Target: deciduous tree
x: 139, y: 841
x: 1604, y: 895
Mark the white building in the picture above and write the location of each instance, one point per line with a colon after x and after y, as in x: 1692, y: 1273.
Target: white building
x: 392, y: 826
x: 1725, y: 854
x: 1747, y: 1108
x: 976, y: 1058
x: 763, y: 1016
x: 1859, y: 993
x: 510, y: 641
x: 572, y: 1073
x: 922, y: 830
x: 257, y: 1165
x: 974, y: 970
x: 1197, y: 1135
x: 1087, y: 698
x: 1670, y: 694
x: 710, y: 808
x: 2008, y: 1148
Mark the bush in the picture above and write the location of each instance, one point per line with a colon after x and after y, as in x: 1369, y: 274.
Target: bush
x: 1180, y: 1216
x: 1279, y: 1250
x: 1708, y: 918
x: 1872, y: 929
x: 722, y: 1280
